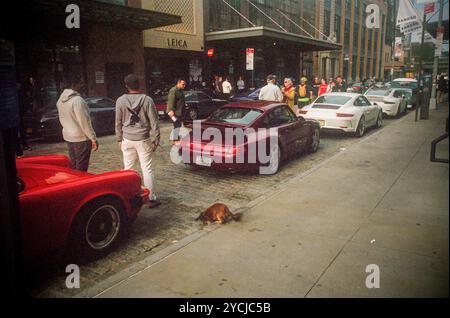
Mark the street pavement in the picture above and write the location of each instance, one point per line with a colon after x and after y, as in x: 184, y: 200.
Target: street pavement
x: 380, y: 201
x: 307, y: 231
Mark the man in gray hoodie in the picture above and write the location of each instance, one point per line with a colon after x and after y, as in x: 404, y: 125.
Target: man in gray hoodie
x: 77, y: 127
x: 137, y: 131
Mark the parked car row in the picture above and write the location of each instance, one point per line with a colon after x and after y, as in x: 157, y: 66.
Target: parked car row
x: 61, y: 207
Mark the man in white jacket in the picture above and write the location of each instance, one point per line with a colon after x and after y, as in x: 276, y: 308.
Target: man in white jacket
x: 77, y: 127
x: 271, y: 92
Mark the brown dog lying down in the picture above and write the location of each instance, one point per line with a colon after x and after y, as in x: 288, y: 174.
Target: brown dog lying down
x: 219, y: 213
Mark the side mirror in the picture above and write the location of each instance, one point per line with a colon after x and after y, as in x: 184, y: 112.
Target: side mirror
x: 375, y: 104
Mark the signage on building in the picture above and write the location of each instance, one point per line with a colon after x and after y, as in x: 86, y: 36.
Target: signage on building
x: 398, y: 48
x: 429, y: 8
x: 177, y: 44
x: 99, y: 77
x: 439, y: 41
x: 250, y: 53
x: 210, y: 52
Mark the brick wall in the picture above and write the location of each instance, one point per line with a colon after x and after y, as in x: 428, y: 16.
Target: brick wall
x: 103, y: 44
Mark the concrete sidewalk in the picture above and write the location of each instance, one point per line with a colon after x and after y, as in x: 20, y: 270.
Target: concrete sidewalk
x: 380, y: 202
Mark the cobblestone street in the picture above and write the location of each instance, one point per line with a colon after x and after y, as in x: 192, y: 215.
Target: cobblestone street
x: 184, y: 192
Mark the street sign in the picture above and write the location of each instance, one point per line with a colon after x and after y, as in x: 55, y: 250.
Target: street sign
x: 250, y: 53
x: 439, y: 40
x: 429, y: 8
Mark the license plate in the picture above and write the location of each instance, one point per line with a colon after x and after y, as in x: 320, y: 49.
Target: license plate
x: 161, y: 112
x: 203, y: 161
x: 322, y: 123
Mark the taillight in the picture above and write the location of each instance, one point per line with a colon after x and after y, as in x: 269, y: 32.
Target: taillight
x: 344, y: 115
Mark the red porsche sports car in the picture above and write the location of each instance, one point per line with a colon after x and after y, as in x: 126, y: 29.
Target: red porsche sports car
x: 62, y: 207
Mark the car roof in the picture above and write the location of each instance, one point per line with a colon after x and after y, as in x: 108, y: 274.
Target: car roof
x: 255, y: 104
x: 405, y: 80
x: 342, y: 94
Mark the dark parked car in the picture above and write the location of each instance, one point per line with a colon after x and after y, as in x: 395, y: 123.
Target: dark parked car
x: 198, y: 105
x: 246, y: 95
x: 102, y: 110
x: 259, y: 119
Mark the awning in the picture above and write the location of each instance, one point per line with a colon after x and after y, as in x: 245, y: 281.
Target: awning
x: 257, y: 35
x: 99, y: 12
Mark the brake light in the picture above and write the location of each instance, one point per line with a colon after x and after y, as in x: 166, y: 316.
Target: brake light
x: 344, y: 115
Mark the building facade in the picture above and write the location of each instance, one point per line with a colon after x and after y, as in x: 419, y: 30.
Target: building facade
x: 363, y: 49
x: 175, y: 51
x: 106, y: 47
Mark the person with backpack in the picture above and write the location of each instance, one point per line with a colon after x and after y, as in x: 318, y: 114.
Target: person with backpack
x: 304, y: 93
x: 137, y: 131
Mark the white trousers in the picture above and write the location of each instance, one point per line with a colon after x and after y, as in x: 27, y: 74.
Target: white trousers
x: 132, y: 150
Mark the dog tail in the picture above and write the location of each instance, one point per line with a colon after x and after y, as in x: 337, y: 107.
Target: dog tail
x: 237, y: 217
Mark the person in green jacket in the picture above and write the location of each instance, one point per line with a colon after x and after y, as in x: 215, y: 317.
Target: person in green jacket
x: 175, y: 106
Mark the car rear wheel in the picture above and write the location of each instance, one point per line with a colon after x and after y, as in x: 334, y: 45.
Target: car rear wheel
x: 275, y: 160
x: 379, y: 120
x: 315, y: 141
x: 98, y: 228
x: 361, y: 130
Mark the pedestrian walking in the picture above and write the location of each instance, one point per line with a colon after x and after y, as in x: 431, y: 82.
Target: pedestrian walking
x: 227, y: 88
x: 175, y: 109
x: 288, y: 92
x: 240, y: 84
x: 77, y: 127
x: 271, y: 92
x: 137, y: 132
x: 304, y: 93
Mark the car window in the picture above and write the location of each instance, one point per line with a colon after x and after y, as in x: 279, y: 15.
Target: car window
x: 240, y: 116
x: 280, y: 116
x: 332, y: 99
x: 398, y: 94
x: 191, y: 97
x: 378, y: 92
x: 366, y: 101
x: 203, y: 97
x: 100, y: 103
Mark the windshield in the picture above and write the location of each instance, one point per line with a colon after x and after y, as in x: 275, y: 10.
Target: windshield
x: 239, y: 116
x: 411, y: 85
x: 332, y: 99
x: 378, y: 92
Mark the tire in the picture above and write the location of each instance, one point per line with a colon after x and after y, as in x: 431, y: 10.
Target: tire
x: 361, y: 129
x: 379, y: 120
x: 399, y: 114
x: 315, y: 141
x: 275, y: 160
x: 193, y: 113
x: 98, y: 228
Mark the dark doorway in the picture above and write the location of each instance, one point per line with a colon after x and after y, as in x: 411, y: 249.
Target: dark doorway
x: 114, y: 76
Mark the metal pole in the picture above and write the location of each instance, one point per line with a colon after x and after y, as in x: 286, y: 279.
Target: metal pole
x: 433, y: 102
x: 421, y: 79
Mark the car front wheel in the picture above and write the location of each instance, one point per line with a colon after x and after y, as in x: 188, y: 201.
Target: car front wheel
x: 193, y: 113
